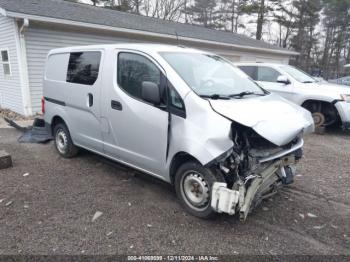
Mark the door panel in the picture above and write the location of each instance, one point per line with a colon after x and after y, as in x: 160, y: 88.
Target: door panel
x: 83, y: 98
x: 137, y: 130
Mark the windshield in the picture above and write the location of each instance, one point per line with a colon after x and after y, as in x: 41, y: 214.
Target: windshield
x: 211, y: 76
x: 298, y: 74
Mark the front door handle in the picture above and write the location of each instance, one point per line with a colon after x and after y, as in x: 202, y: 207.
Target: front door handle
x: 90, y: 100
x: 116, y: 105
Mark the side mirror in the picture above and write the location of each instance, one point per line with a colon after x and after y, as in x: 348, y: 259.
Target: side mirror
x: 283, y: 79
x: 150, y: 92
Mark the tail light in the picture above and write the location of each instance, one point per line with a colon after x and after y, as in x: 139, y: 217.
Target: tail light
x: 43, y: 105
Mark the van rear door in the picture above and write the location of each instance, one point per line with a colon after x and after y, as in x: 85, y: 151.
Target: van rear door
x: 83, y: 98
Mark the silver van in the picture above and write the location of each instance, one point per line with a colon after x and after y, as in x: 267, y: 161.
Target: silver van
x: 186, y: 116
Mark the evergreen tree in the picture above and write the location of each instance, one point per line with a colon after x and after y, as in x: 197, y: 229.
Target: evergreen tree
x: 204, y: 13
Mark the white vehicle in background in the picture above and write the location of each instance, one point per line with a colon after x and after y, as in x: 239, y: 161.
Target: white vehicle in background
x: 328, y: 103
x: 341, y: 81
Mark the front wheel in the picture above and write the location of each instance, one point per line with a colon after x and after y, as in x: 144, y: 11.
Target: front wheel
x: 193, y: 184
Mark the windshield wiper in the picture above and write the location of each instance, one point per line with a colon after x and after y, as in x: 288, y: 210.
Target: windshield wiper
x: 215, y: 96
x: 245, y: 93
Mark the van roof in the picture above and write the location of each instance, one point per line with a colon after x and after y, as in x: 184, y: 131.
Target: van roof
x: 143, y: 47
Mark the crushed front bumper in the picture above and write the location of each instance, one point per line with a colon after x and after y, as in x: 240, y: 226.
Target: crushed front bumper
x: 225, y: 200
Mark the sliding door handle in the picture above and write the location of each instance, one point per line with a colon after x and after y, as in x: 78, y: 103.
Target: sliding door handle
x: 116, y: 105
x: 90, y: 100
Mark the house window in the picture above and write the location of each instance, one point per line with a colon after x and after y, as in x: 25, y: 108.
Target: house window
x: 5, y: 61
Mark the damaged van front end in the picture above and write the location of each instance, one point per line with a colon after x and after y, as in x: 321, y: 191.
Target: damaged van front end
x: 267, y: 145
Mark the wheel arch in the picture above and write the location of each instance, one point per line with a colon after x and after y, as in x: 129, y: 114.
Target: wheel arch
x: 177, y: 160
x: 317, y: 105
x: 57, y: 120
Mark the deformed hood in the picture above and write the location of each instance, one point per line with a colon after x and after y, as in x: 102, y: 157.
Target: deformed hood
x: 271, y: 116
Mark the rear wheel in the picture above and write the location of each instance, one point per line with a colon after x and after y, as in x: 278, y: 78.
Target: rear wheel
x: 193, y: 184
x: 63, y: 141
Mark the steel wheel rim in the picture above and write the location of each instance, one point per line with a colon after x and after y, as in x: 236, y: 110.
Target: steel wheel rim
x: 61, y: 141
x: 195, y: 190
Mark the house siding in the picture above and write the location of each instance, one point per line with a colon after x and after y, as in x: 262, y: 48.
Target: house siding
x: 40, y: 41
x: 10, y: 86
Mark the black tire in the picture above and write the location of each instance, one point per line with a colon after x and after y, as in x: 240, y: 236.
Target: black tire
x: 63, y: 141
x: 195, y: 171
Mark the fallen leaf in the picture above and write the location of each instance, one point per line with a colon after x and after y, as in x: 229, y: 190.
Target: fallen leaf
x: 96, y: 216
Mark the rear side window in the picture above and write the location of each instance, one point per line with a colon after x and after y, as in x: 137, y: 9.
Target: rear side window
x: 261, y: 73
x: 267, y: 74
x: 133, y: 69
x: 250, y: 71
x: 83, y: 67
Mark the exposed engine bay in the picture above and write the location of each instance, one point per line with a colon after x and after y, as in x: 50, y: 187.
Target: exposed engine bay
x: 253, y: 170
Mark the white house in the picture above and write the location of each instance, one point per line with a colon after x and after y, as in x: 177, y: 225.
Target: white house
x: 29, y: 29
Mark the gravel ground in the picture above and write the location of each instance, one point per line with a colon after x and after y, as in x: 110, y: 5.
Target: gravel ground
x: 50, y: 210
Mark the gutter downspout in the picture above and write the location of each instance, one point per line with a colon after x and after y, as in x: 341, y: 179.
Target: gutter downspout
x: 23, y: 67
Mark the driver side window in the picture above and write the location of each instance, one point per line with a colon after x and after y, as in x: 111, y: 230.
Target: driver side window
x: 133, y: 69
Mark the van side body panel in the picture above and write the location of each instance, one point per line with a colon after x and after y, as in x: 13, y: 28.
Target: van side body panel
x: 203, y: 134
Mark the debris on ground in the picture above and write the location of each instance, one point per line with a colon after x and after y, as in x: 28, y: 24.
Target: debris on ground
x: 302, y: 215
x: 129, y: 204
x: 13, y: 115
x: 26, y: 174
x: 319, y: 227
x: 5, y: 159
x: 38, y: 133
x: 96, y: 216
x: 109, y: 233
x: 8, y: 203
x: 149, y: 225
x: 1, y: 200
x: 311, y: 215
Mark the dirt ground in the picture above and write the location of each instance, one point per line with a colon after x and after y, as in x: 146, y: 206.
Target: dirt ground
x: 47, y: 204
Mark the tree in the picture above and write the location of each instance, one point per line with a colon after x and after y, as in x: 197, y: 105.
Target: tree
x: 284, y: 16
x: 204, y: 13
x: 336, y: 24
x: 232, y: 11
x: 261, y: 8
x: 306, y: 18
